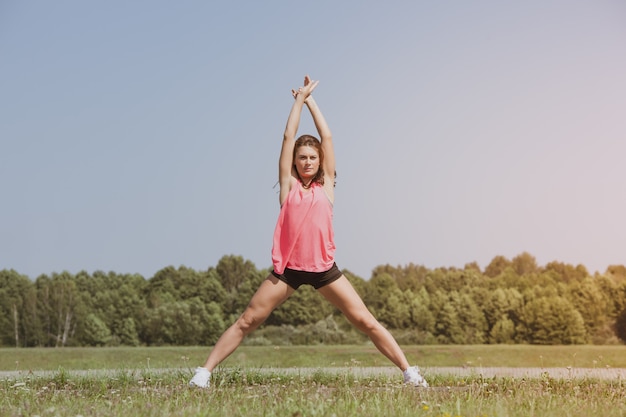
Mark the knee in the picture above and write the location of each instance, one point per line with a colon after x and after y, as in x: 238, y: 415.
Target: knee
x: 366, y: 322
x: 248, y: 322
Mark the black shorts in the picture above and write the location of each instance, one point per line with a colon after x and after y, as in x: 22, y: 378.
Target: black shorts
x: 317, y: 280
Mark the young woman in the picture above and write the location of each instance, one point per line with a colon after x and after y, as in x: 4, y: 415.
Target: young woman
x: 304, y: 250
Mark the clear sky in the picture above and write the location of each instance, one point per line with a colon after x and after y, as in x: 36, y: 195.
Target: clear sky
x: 140, y: 134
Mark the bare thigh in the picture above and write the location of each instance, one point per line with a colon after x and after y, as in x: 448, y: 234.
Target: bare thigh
x: 271, y: 293
x: 343, y: 296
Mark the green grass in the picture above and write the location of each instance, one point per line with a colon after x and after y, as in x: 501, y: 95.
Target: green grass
x: 236, y: 392
x: 152, y: 382
x: 578, y: 356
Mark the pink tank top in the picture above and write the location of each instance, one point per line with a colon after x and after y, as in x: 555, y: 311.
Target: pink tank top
x: 304, y: 238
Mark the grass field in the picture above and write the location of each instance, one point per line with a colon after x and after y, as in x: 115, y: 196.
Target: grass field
x: 184, y: 357
x: 136, y: 384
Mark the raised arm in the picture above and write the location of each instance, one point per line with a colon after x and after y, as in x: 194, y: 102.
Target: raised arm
x: 326, y: 138
x: 285, y: 162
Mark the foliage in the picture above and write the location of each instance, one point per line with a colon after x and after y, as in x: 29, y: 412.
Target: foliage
x: 512, y: 301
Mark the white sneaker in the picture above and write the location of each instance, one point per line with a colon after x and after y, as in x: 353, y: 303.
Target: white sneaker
x: 412, y: 376
x: 201, y: 379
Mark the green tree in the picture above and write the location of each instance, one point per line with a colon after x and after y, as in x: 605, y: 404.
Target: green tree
x: 503, y: 331
x: 566, y: 272
x: 502, y: 302
x: 451, y: 279
x: 240, y: 280
x: 422, y: 317
x: 447, y: 328
x: 472, y: 266
x: 497, y: 266
x: 175, y: 284
x: 411, y: 277
x: 397, y: 312
x: 305, y: 306
x: 171, y: 285
x: 447, y: 323
x: 385, y: 300
x: 161, y: 288
x: 617, y: 273
x: 58, y: 303
x: 29, y: 318
x: 524, y: 264
x: 552, y: 320
x: 502, y: 309
x: 377, y: 290
x: 17, y: 310
x: 620, y: 319
x: 471, y: 319
x: 620, y: 326
x: 127, y: 332
x: 591, y: 303
x: 116, y: 299
x: 190, y: 322
x: 96, y: 332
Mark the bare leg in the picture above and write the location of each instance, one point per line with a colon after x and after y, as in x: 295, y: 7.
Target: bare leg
x: 271, y: 293
x: 345, y: 298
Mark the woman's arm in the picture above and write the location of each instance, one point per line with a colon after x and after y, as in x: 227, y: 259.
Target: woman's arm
x: 326, y: 138
x: 285, y: 162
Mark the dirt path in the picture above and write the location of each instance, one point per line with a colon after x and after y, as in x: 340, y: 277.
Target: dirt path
x: 558, y: 373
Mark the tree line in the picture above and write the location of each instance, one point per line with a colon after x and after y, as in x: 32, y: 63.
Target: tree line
x: 510, y: 301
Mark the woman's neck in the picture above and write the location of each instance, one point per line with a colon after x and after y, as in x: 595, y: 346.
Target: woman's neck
x: 306, y: 182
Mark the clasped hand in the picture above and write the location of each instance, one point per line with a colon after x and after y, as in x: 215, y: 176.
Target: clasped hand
x: 306, y: 89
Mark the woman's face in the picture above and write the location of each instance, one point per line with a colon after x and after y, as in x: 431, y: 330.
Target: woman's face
x: 307, y: 162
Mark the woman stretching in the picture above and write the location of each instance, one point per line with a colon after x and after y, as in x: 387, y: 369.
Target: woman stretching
x: 303, y: 250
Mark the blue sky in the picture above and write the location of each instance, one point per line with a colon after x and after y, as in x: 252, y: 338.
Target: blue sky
x: 137, y: 135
